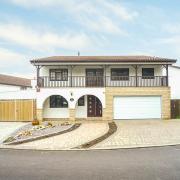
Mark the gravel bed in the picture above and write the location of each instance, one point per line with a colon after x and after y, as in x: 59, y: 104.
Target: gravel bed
x: 29, y: 133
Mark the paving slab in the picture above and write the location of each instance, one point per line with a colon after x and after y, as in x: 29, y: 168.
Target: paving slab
x: 142, y: 133
x: 6, y: 128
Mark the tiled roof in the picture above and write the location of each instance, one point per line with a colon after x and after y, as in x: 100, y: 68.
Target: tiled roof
x: 14, y: 81
x: 79, y: 59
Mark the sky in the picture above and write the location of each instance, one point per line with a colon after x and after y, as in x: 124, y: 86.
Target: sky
x: 31, y: 29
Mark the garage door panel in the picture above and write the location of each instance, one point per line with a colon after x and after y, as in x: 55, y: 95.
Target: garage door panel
x: 137, y: 107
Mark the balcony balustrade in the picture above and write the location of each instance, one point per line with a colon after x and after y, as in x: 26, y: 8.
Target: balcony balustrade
x: 104, y: 81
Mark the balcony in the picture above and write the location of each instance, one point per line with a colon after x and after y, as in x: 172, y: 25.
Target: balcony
x: 104, y: 81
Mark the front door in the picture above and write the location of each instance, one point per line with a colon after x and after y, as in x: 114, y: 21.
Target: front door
x: 94, y: 77
x: 94, y: 107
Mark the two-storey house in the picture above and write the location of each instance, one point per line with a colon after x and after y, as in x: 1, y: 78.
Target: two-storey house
x: 102, y: 87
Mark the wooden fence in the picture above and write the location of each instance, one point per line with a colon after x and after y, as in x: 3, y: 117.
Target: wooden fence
x: 17, y: 110
x: 175, y: 109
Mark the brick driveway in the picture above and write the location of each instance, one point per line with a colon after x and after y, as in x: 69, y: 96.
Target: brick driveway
x: 85, y: 133
x: 130, y: 134
x: 143, y: 133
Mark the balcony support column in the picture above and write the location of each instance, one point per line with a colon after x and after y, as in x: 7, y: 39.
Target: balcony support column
x: 167, y: 75
x: 136, y: 68
x: 71, y: 76
x: 37, y: 74
x: 136, y: 75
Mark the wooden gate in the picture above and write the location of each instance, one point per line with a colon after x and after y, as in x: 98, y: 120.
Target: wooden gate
x: 175, y: 109
x: 17, y: 110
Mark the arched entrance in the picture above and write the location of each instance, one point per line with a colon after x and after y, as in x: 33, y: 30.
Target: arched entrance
x: 88, y: 106
x: 94, y: 106
x: 55, y: 107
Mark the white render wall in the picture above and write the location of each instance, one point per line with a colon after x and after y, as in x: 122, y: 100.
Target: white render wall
x: 81, y: 111
x: 20, y: 94
x: 174, y: 82
x: 67, y: 93
x: 70, y: 94
x: 81, y: 70
x: 8, y: 88
x: 54, y: 112
x: 15, y: 92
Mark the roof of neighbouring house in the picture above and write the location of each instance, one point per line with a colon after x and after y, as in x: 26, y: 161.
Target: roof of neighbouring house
x: 101, y: 59
x: 175, y: 66
x: 14, y: 81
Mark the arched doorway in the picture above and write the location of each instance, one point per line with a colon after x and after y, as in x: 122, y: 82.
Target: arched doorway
x: 94, y: 106
x: 55, y: 107
x: 88, y: 106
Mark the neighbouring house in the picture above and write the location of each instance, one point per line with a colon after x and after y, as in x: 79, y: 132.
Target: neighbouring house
x: 12, y: 83
x: 17, y: 98
x: 102, y: 87
x: 174, y: 82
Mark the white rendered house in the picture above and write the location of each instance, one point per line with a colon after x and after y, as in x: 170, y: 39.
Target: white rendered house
x: 102, y: 87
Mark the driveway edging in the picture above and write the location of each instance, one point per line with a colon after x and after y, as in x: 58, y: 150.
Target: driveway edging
x: 112, y: 129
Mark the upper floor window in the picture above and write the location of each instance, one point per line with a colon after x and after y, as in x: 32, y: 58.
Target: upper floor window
x: 58, y: 74
x: 148, y: 73
x: 120, y: 74
x: 57, y: 101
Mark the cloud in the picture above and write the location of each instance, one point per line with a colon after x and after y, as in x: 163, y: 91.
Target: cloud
x: 172, y: 34
x: 121, y: 11
x: 104, y: 16
x: 102, y: 24
x: 35, y: 3
x: 15, y: 63
x: 171, y: 43
x: 41, y: 41
x: 173, y: 28
x: 8, y: 57
x: 100, y: 15
x: 171, y: 40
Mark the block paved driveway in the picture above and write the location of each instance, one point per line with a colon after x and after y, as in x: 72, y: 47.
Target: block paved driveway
x: 6, y: 128
x: 129, y: 134
x: 143, y: 133
x: 85, y: 133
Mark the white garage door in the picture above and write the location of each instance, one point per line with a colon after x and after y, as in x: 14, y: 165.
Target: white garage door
x: 137, y: 107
